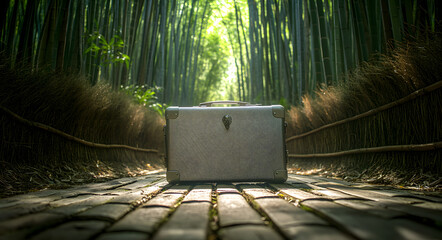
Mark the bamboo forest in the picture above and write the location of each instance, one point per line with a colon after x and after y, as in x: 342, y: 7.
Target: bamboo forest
x: 85, y: 84
x: 195, y: 51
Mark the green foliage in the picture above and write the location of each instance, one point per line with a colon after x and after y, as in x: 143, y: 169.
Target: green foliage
x: 283, y: 102
x: 145, y: 96
x: 108, y: 52
x: 213, y: 63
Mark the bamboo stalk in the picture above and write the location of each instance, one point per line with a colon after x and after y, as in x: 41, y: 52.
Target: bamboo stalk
x: 395, y: 148
x: 299, y: 50
x: 323, y: 25
x: 61, y: 48
x: 403, y: 100
x: 4, y: 6
x: 70, y: 137
x: 242, y: 61
x: 197, y: 54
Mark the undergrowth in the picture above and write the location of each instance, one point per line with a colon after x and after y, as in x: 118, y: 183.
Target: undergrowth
x: 408, y: 68
x: 145, y: 96
x: 69, y: 103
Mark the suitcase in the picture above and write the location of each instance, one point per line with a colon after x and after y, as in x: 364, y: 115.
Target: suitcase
x: 243, y: 143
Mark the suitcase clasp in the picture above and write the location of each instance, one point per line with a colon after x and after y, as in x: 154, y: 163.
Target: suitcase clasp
x: 227, y: 120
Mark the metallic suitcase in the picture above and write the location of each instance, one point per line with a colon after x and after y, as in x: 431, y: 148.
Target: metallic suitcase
x: 215, y: 144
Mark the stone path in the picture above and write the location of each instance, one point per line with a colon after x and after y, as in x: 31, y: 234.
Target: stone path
x: 305, y: 207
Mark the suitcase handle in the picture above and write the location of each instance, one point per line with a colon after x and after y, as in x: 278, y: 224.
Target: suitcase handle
x: 208, y: 104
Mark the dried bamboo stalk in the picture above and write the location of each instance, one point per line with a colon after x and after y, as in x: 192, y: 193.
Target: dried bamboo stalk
x: 395, y: 148
x: 403, y: 100
x: 70, y: 137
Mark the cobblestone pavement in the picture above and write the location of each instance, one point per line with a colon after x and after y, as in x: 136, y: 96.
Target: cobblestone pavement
x: 305, y: 207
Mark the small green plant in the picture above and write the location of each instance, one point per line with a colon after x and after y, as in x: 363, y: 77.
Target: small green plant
x: 146, y: 96
x: 108, y: 52
x: 284, y: 103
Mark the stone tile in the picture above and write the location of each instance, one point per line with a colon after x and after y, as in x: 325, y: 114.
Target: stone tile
x: 373, y: 210
x: 431, y: 215
x: 123, y: 235
x: 359, y: 223
x: 233, y: 209
x: 417, y: 198
x: 338, y: 185
x: 304, y: 178
x: 292, y: 180
x: 300, y: 185
x: 5, y: 203
x: 263, y: 193
x: 284, y: 214
x: 190, y: 215
x: 139, y: 195
x: 109, y: 185
x: 257, y: 191
x: 139, y: 184
x: 313, y: 232
x: 81, y: 192
x: 400, y: 193
x: 167, y: 198
x: 159, y: 184
x: 226, y: 188
x: 21, y: 209
x: 26, y: 200
x: 249, y: 186
x: 333, y: 180
x: 128, y: 198
x: 366, y: 193
x: 156, y: 173
x: 296, y: 193
x: 97, y: 200
x: 189, y: 221
x: 249, y: 232
x: 141, y: 219
x: 334, y: 195
x: 36, y: 220
x: 71, y: 200
x: 38, y: 194
x: 69, y: 210
x: 295, y: 182
x: 200, y: 193
x: 119, y: 182
x: 41, y: 200
x: 178, y: 189
x: 17, y: 235
x: 318, y: 180
x: 113, y: 192
x: 309, y: 186
x: 408, y: 229
x: 108, y: 212
x: 8, y: 205
x: 429, y: 205
x: 75, y: 230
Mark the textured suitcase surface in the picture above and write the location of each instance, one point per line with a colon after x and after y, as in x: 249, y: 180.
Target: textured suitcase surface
x: 244, y: 143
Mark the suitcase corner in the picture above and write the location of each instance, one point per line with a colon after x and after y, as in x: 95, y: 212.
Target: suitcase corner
x: 173, y: 176
x: 280, y: 176
x: 172, y: 112
x: 278, y: 111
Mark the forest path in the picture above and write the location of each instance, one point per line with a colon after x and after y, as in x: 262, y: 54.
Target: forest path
x: 305, y: 207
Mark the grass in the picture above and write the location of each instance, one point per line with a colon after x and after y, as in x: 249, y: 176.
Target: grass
x: 33, y: 159
x: 213, y: 214
x: 410, y: 67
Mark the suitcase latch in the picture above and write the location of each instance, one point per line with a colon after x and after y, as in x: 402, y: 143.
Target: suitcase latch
x: 227, y: 120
